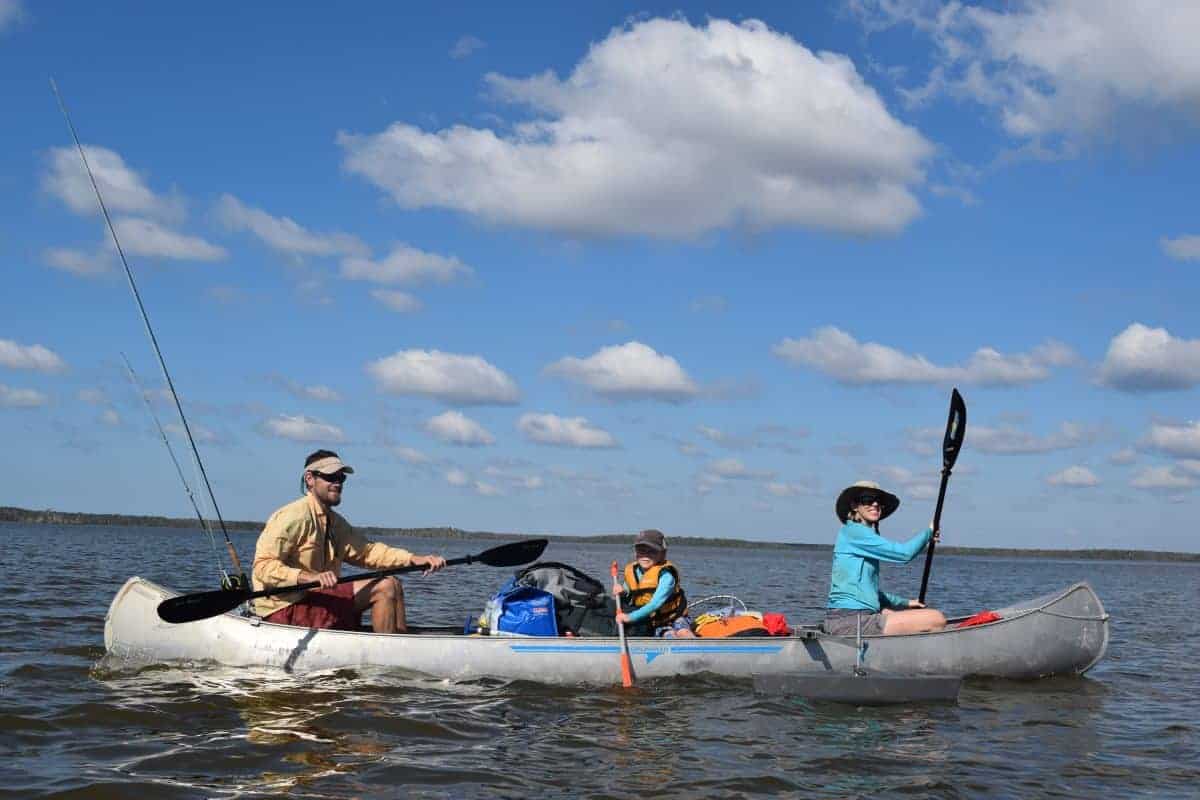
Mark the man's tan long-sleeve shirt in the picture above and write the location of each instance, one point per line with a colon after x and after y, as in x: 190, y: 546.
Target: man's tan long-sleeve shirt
x: 296, y: 538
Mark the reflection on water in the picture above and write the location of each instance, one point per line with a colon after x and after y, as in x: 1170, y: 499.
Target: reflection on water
x: 76, y: 721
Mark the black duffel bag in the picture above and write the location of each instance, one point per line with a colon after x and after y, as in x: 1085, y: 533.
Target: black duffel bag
x: 582, y: 605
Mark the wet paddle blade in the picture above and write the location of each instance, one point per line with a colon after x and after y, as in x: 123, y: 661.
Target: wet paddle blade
x: 193, y: 607
x: 513, y: 555
x: 870, y: 689
x: 626, y: 670
x: 956, y: 429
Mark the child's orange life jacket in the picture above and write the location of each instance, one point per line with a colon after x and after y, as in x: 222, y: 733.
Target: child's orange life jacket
x: 641, y: 591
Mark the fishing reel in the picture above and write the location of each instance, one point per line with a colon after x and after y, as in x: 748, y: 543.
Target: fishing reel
x: 235, y: 583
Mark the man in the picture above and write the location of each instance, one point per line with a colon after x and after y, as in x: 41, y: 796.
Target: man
x: 307, y: 540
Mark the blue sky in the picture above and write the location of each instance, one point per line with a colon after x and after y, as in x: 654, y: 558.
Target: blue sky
x: 538, y: 268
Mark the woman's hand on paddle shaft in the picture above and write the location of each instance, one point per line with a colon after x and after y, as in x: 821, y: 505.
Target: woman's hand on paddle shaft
x: 431, y: 563
x: 622, y: 617
x: 915, y: 604
x: 326, y: 578
x: 937, y: 534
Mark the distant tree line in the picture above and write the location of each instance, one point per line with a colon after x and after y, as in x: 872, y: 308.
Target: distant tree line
x: 26, y: 516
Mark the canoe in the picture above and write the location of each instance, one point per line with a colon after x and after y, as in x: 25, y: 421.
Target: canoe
x: 1061, y: 633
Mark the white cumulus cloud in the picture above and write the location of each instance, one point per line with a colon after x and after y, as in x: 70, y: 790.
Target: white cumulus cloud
x: 314, y: 391
x: 1145, y: 359
x: 453, y: 427
x: 912, y: 485
x: 1074, y: 477
x: 1066, y: 69
x: 123, y: 189
x: 78, y: 262
x: 410, y: 455
x: 564, y: 431
x: 724, y: 438
x: 515, y: 479
x: 1010, y: 440
x: 284, y: 234
x: 465, y: 46
x: 449, y: 377
x: 144, y: 237
x: 321, y: 392
x: 845, y: 359
x: 670, y: 130
x: 302, y: 429
x: 400, y: 302
x: 1123, y: 457
x: 628, y: 371
x: 1183, y: 248
x: 734, y: 469
x: 1162, y: 479
x: 1178, y: 440
x: 460, y: 479
x: 406, y: 265
x: 11, y: 13
x: 30, y: 356
x: 21, y: 398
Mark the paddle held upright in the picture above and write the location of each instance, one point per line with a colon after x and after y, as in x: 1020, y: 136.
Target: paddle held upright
x: 626, y: 664
x: 956, y: 429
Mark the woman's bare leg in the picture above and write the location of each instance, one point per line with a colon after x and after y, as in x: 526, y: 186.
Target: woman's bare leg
x: 913, y: 620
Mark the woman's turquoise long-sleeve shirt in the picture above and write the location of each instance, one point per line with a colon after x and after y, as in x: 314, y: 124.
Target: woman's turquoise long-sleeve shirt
x: 854, y: 582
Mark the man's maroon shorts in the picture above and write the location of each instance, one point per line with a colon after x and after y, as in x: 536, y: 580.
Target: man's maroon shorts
x: 322, y: 608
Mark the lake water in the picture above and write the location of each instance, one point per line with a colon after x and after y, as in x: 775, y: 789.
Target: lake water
x: 74, y: 724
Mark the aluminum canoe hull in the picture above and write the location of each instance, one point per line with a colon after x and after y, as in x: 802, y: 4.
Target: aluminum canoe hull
x: 1064, y: 632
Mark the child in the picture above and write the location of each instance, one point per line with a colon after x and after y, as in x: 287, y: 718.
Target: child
x: 654, y: 592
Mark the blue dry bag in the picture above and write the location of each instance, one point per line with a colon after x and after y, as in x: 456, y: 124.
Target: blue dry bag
x: 522, y: 611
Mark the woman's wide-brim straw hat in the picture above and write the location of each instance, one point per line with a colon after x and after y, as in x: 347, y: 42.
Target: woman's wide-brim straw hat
x: 889, y: 501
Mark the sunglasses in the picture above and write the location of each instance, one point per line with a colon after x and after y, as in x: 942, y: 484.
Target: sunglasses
x: 870, y: 500
x: 337, y: 477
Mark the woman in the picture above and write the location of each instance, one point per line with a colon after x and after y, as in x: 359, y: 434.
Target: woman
x: 854, y: 585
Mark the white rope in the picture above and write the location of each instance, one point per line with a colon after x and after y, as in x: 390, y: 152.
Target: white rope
x: 716, y: 597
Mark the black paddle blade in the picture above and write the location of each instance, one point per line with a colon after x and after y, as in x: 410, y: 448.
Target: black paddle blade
x: 956, y: 429
x: 192, y: 607
x: 512, y: 555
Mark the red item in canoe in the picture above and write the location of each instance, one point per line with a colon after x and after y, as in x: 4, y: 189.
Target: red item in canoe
x: 979, y: 619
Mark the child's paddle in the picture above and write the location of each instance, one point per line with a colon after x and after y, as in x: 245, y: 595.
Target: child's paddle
x: 626, y: 665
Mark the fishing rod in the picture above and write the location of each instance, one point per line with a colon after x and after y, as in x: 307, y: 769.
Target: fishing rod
x: 237, y: 564
x: 137, y: 384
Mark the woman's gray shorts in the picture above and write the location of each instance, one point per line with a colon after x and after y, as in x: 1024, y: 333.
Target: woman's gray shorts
x: 844, y: 622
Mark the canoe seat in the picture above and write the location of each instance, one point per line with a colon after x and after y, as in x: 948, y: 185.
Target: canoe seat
x: 808, y: 631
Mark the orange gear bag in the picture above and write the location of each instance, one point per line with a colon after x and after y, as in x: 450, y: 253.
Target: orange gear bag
x: 741, y: 625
